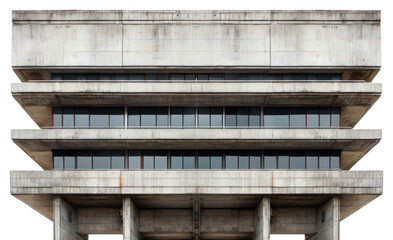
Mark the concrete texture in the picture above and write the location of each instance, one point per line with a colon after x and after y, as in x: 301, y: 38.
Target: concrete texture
x: 130, y: 220
x: 353, y: 143
x: 270, y: 39
x: 262, y: 219
x: 37, y: 98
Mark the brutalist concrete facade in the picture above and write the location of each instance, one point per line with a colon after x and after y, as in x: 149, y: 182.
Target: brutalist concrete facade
x: 193, y: 204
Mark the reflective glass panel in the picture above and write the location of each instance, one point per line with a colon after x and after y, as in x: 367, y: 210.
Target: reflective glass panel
x: 81, y: 117
x: 203, y: 160
x: 101, y: 159
x: 137, y: 76
x: 68, y: 117
x: 189, y: 159
x: 57, y: 160
x: 189, y: 117
x: 298, y: 117
x: 324, y: 118
x: 276, y: 117
x: 255, y: 159
x: 99, y: 117
x: 203, y: 77
x: 134, y: 159
x: 57, y: 117
x: 324, y: 162
x: 231, y: 160
x: 118, y: 160
x: 312, y: 117
x: 216, y: 116
x: 162, y: 76
x: 148, y: 117
x: 335, y: 117
x: 134, y: 119
x: 177, y: 77
x: 270, y: 161
x: 242, y: 116
x: 255, y: 116
x: 335, y: 160
x: 148, y: 159
x: 216, y: 159
x: 203, y: 117
x: 283, y: 160
x: 176, y: 160
x: 230, y: 116
x: 297, y: 161
x: 162, y: 117
x: 69, y: 160
x: 312, y: 160
x: 83, y: 160
x: 116, y: 117
x: 161, y: 159
x: 215, y: 77
x: 176, y: 117
x: 243, y: 161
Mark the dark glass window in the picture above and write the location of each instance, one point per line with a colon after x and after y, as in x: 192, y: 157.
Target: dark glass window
x: 216, y: 159
x: 162, y: 116
x: 203, y: 160
x: 68, y: 117
x: 216, y: 116
x: 82, y: 117
x: 69, y: 160
x: 231, y: 159
x: 215, y: 77
x: 99, y: 118
x: 148, y: 159
x: 276, y: 117
x: 57, y: 117
x: 312, y: 117
x: 335, y: 160
x: 203, y: 77
x: 176, y: 117
x: 230, y: 116
x: 134, y: 117
x: 151, y: 76
x: 189, y: 116
x: 84, y: 160
x: 255, y: 159
x: 101, y: 159
x: 324, y: 162
x: 116, y: 117
x: 335, y: 117
x: 148, y: 117
x: 161, y: 159
x: 176, y: 159
x: 137, y: 76
x: 270, y: 160
x: 189, y: 77
x: 298, y: 118
x: 283, y: 160
x: 177, y: 76
x: 244, y: 160
x: 120, y: 76
x: 134, y: 159
x: 58, y: 160
x: 189, y: 159
x: 118, y: 160
x: 312, y: 160
x: 203, y: 117
x: 324, y: 118
x: 242, y: 116
x: 255, y: 117
x: 162, y: 76
x: 297, y: 161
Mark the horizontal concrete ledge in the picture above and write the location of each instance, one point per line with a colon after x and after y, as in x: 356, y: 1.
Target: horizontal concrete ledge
x: 296, y: 135
x: 38, y: 143
x: 204, y: 16
x: 129, y: 88
x: 196, y: 182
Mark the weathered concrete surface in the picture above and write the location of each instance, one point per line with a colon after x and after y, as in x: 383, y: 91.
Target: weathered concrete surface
x: 65, y: 218
x: 262, y: 220
x: 130, y: 219
x: 38, y: 98
x: 205, y: 39
x: 354, y: 144
x: 99, y: 221
x: 293, y: 220
x: 178, y: 187
x: 327, y: 221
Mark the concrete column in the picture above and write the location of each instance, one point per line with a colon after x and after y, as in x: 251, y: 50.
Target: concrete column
x: 130, y: 220
x: 328, y: 221
x: 262, y: 219
x: 64, y: 221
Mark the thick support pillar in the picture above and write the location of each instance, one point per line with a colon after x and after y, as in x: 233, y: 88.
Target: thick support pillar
x: 64, y: 221
x: 130, y: 220
x: 262, y: 220
x: 328, y: 221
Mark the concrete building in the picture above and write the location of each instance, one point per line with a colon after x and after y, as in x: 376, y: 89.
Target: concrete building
x: 196, y: 124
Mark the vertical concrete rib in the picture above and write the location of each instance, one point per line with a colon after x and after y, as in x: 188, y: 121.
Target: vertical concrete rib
x: 262, y: 218
x: 130, y: 220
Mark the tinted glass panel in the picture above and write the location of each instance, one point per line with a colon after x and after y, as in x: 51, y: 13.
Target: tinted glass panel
x: 335, y: 117
x: 148, y: 160
x: 162, y: 116
x: 57, y: 117
x: 276, y: 117
x: 312, y: 117
x: 189, y: 77
x: 283, y: 161
x: 231, y: 160
x: 162, y: 76
x: 69, y: 161
x: 335, y: 160
x: 134, y: 159
x: 230, y: 116
x: 312, y: 160
x: 57, y: 160
x: 203, y: 160
x: 82, y: 117
x: 99, y: 117
x: 255, y: 160
x: 216, y: 116
x: 216, y: 159
x: 151, y: 76
x: 116, y: 117
x: 189, y: 160
x: 203, y: 117
x: 298, y: 118
x: 231, y: 76
x: 324, y: 117
x: 297, y: 162
x: 68, y: 117
x: 255, y: 117
x: 270, y: 161
x: 134, y: 117
x: 176, y: 160
x: 137, y: 76
x: 242, y: 116
x: 177, y: 77
x: 176, y: 117
x: 189, y: 116
x: 118, y: 160
x: 324, y: 162
x: 101, y: 160
x: 203, y: 77
x: 120, y: 76
x: 148, y: 117
x: 161, y: 159
x: 243, y: 162
x: 83, y: 160
x: 215, y: 77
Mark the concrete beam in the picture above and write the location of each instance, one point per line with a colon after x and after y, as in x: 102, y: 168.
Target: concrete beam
x: 293, y: 221
x: 38, y: 98
x: 130, y: 220
x: 65, y: 221
x: 99, y: 221
x: 354, y: 144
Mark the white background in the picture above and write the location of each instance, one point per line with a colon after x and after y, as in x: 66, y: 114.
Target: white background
x: 18, y: 221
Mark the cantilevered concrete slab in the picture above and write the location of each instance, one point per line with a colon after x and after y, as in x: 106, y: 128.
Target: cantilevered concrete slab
x: 354, y: 98
x: 267, y: 40
x: 214, y: 189
x: 38, y: 144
